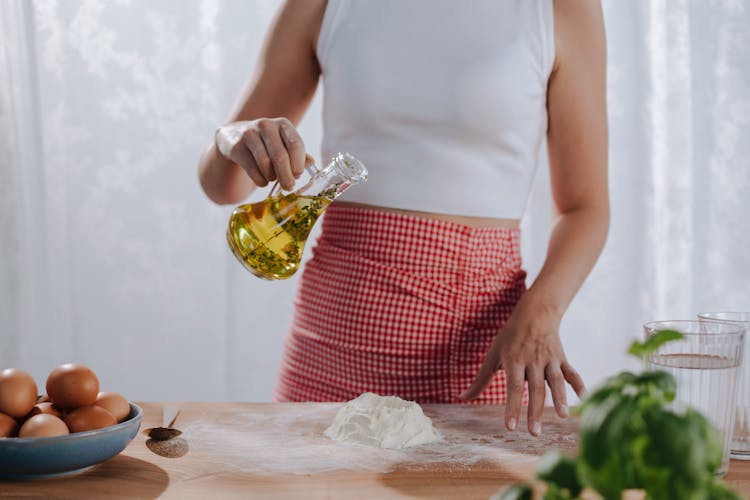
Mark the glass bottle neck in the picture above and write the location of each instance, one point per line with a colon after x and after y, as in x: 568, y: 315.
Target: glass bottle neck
x: 343, y: 171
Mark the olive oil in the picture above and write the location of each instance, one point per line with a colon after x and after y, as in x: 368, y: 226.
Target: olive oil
x: 268, y: 237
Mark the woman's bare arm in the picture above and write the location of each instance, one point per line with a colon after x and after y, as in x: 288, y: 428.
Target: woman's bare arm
x: 273, y: 102
x: 529, y: 346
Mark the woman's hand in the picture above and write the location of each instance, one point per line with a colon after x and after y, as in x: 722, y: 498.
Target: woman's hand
x: 266, y: 148
x: 529, y: 348
x: 251, y: 150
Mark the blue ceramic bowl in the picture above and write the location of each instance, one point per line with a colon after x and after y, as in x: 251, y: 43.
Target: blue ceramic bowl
x: 34, y: 458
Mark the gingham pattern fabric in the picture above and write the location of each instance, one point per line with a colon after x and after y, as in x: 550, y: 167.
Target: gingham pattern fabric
x: 399, y: 305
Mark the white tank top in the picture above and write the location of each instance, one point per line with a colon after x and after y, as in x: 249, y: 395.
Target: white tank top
x: 444, y: 101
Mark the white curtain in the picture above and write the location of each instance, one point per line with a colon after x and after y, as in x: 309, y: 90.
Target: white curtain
x: 111, y: 256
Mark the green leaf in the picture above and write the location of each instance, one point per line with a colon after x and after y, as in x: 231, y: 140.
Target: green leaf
x: 718, y: 490
x: 560, y: 470
x: 607, y: 431
x: 659, y: 385
x: 556, y: 493
x: 520, y: 491
x: 613, y: 385
x: 679, y: 457
x: 651, y: 344
x: 630, y: 439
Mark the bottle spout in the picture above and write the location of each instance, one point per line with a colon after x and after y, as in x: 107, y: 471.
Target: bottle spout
x: 350, y: 168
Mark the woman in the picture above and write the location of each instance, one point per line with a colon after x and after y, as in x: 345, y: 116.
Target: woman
x: 415, y: 286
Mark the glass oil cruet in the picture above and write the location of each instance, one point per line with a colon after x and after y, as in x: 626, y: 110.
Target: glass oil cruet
x: 268, y: 237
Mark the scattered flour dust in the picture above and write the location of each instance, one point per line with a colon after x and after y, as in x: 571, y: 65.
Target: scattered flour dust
x: 382, y: 421
x: 289, y: 438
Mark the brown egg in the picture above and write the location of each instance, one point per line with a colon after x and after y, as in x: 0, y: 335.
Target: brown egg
x: 43, y: 425
x: 17, y: 392
x: 88, y: 418
x: 46, y: 407
x: 8, y: 426
x: 114, y: 403
x: 71, y: 385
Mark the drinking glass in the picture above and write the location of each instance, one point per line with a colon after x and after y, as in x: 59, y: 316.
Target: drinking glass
x: 706, y: 365
x: 740, y: 447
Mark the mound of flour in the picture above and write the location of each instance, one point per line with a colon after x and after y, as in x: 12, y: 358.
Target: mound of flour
x: 382, y: 421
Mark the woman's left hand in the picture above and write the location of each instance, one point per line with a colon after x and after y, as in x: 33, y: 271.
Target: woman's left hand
x: 529, y: 348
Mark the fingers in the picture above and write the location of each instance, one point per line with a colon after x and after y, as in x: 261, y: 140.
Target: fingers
x: 262, y: 162
x: 282, y: 166
x: 575, y: 380
x: 532, y: 358
x: 267, y: 149
x: 295, y: 147
x: 490, y: 365
x: 556, y: 383
x: 244, y: 158
x: 537, y: 395
x: 514, y: 377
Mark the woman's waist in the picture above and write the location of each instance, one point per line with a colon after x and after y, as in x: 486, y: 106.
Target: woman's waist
x: 467, y: 186
x: 461, y: 220
x: 394, y: 236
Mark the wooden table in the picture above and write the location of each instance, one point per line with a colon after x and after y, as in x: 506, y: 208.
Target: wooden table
x: 277, y: 451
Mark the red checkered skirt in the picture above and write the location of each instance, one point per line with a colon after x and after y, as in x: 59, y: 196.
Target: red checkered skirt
x: 399, y: 305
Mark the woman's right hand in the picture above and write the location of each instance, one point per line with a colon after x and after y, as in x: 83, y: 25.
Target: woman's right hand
x: 267, y: 149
